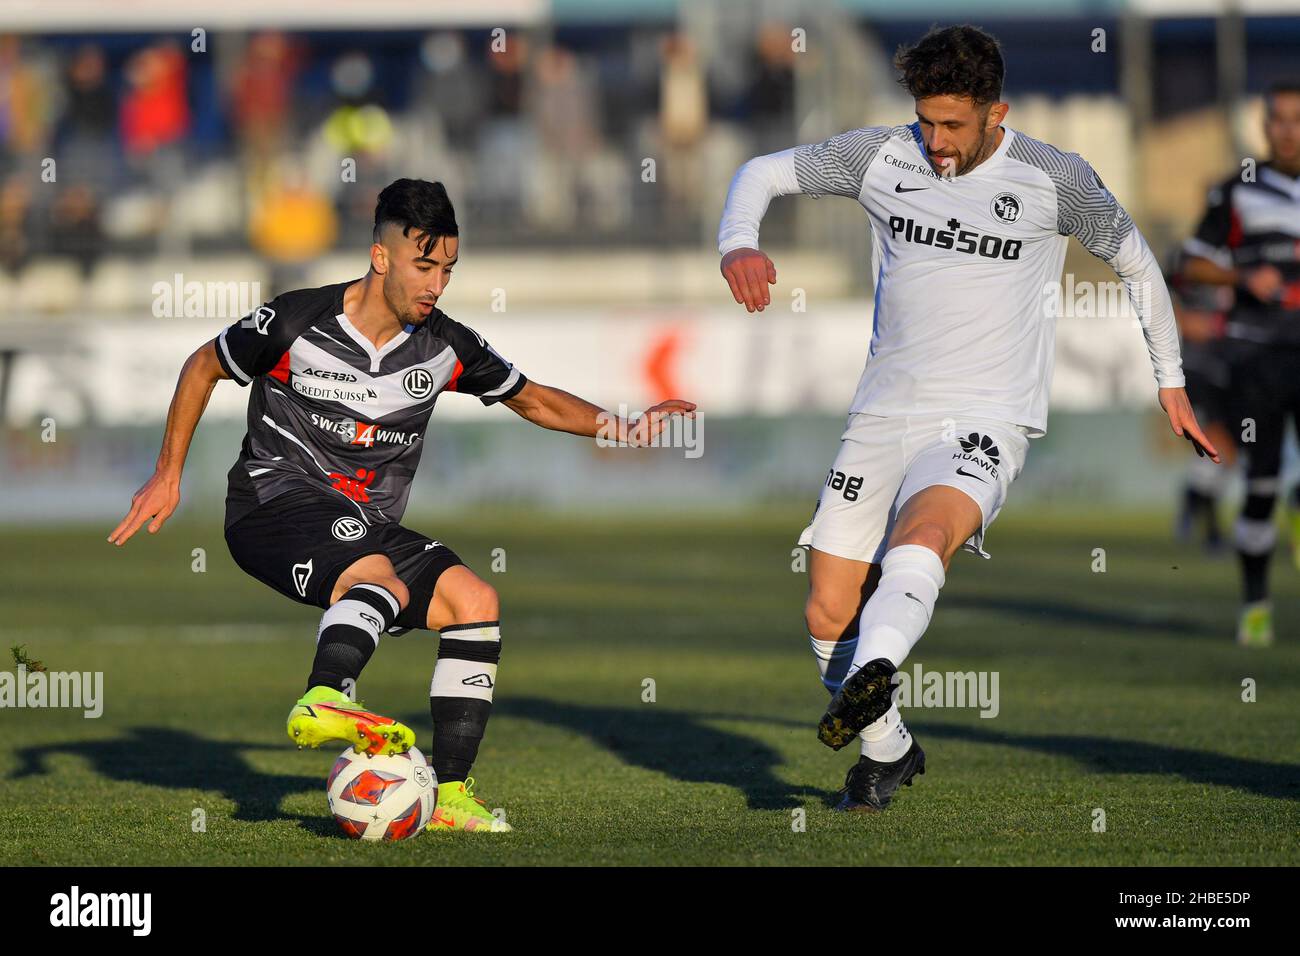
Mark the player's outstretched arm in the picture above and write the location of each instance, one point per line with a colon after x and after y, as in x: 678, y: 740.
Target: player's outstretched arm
x: 159, y: 496
x: 834, y: 167
x: 748, y: 273
x: 561, y: 411
x: 1087, y: 210
x: 1183, y: 421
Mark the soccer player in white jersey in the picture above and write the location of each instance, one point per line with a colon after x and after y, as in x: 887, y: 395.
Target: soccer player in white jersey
x: 970, y: 221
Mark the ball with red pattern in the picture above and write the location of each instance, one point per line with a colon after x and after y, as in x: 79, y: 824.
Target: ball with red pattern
x: 381, y: 798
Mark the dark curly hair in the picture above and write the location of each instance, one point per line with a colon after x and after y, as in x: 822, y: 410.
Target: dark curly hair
x: 953, y: 61
x: 418, y: 206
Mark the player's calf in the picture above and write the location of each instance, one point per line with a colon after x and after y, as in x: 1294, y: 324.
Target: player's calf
x: 465, y: 610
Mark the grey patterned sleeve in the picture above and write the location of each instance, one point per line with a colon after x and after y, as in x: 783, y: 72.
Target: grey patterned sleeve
x: 1087, y: 210
x: 837, y: 166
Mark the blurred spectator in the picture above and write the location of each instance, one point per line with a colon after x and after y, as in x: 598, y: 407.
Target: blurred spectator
x: 87, y: 149
x: 683, y: 124
x: 90, y: 104
x: 450, y: 90
x: 563, y: 104
x: 497, y: 191
x: 75, y: 226
x: 293, y: 222
x: 261, y: 100
x: 155, y: 111
x: 771, y: 93
x: 26, y: 105
x: 15, y: 205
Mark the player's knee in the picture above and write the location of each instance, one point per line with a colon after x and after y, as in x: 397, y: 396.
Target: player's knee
x: 476, y: 601
x: 397, y: 589
x: 829, y: 617
x: 927, y: 534
x: 374, y: 569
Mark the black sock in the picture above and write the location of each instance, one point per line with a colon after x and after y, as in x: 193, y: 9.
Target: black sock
x: 460, y: 696
x: 1254, y: 574
x: 349, y: 633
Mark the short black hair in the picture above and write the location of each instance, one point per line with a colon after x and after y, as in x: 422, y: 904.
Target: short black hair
x: 953, y: 61
x: 419, y: 207
x: 1280, y: 87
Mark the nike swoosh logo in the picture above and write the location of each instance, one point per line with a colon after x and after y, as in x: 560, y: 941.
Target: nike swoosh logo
x: 914, y: 598
x: 900, y: 188
x: 967, y: 474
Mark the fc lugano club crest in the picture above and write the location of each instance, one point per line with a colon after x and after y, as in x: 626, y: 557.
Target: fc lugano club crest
x: 349, y: 529
x: 418, y: 383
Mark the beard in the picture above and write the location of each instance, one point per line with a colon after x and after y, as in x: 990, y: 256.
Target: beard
x: 403, y: 308
x: 965, y: 162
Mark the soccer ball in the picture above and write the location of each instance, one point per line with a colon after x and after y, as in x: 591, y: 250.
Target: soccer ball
x: 382, y: 798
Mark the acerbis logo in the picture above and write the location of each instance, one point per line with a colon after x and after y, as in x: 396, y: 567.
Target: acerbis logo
x: 981, y: 450
x: 418, y: 383
x: 348, y: 529
x: 332, y: 376
x: 478, y: 680
x: 301, y: 575
x: 1006, y: 207
x: 966, y: 241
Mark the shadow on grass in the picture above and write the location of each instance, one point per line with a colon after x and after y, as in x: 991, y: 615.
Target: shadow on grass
x: 1280, y: 781
x: 678, y: 744
x: 165, y: 757
x: 1108, y: 755
x: 1056, y: 610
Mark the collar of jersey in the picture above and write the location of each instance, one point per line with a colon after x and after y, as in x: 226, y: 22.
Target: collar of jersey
x: 376, y: 355
x: 1280, y: 180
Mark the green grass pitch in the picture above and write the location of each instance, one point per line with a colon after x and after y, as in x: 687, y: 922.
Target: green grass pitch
x: 1120, y: 691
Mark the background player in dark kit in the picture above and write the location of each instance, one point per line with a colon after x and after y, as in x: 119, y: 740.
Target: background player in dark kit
x: 344, y: 379
x: 1249, y: 239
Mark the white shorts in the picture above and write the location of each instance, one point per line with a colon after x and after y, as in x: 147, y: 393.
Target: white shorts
x: 884, y: 461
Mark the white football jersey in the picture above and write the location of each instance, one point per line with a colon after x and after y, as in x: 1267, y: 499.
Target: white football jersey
x: 964, y: 265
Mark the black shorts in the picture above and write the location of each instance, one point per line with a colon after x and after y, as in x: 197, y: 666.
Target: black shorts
x: 301, y: 541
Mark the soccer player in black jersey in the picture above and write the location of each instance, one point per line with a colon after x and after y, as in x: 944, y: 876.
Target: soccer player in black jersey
x: 1249, y: 239
x: 343, y: 381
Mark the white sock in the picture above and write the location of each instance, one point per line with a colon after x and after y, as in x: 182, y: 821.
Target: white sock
x: 833, y: 659
x: 899, y: 611
x: 886, y: 739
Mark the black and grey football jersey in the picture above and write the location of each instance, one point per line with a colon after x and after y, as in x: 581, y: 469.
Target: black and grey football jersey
x: 1251, y: 224
x: 329, y: 410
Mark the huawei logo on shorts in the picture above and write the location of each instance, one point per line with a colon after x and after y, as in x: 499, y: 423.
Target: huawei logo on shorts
x: 975, y: 442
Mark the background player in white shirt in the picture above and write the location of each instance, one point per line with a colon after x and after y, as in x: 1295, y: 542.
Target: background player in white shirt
x: 970, y: 221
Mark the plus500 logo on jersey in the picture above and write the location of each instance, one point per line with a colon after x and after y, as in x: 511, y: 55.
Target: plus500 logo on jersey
x: 967, y: 241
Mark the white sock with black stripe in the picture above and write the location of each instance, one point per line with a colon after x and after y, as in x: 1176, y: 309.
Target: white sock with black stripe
x: 460, y: 695
x: 349, y: 633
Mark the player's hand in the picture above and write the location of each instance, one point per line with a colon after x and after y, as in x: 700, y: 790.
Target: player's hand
x: 156, y: 499
x: 1265, y: 283
x: 749, y: 272
x: 1183, y: 421
x: 654, y: 420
